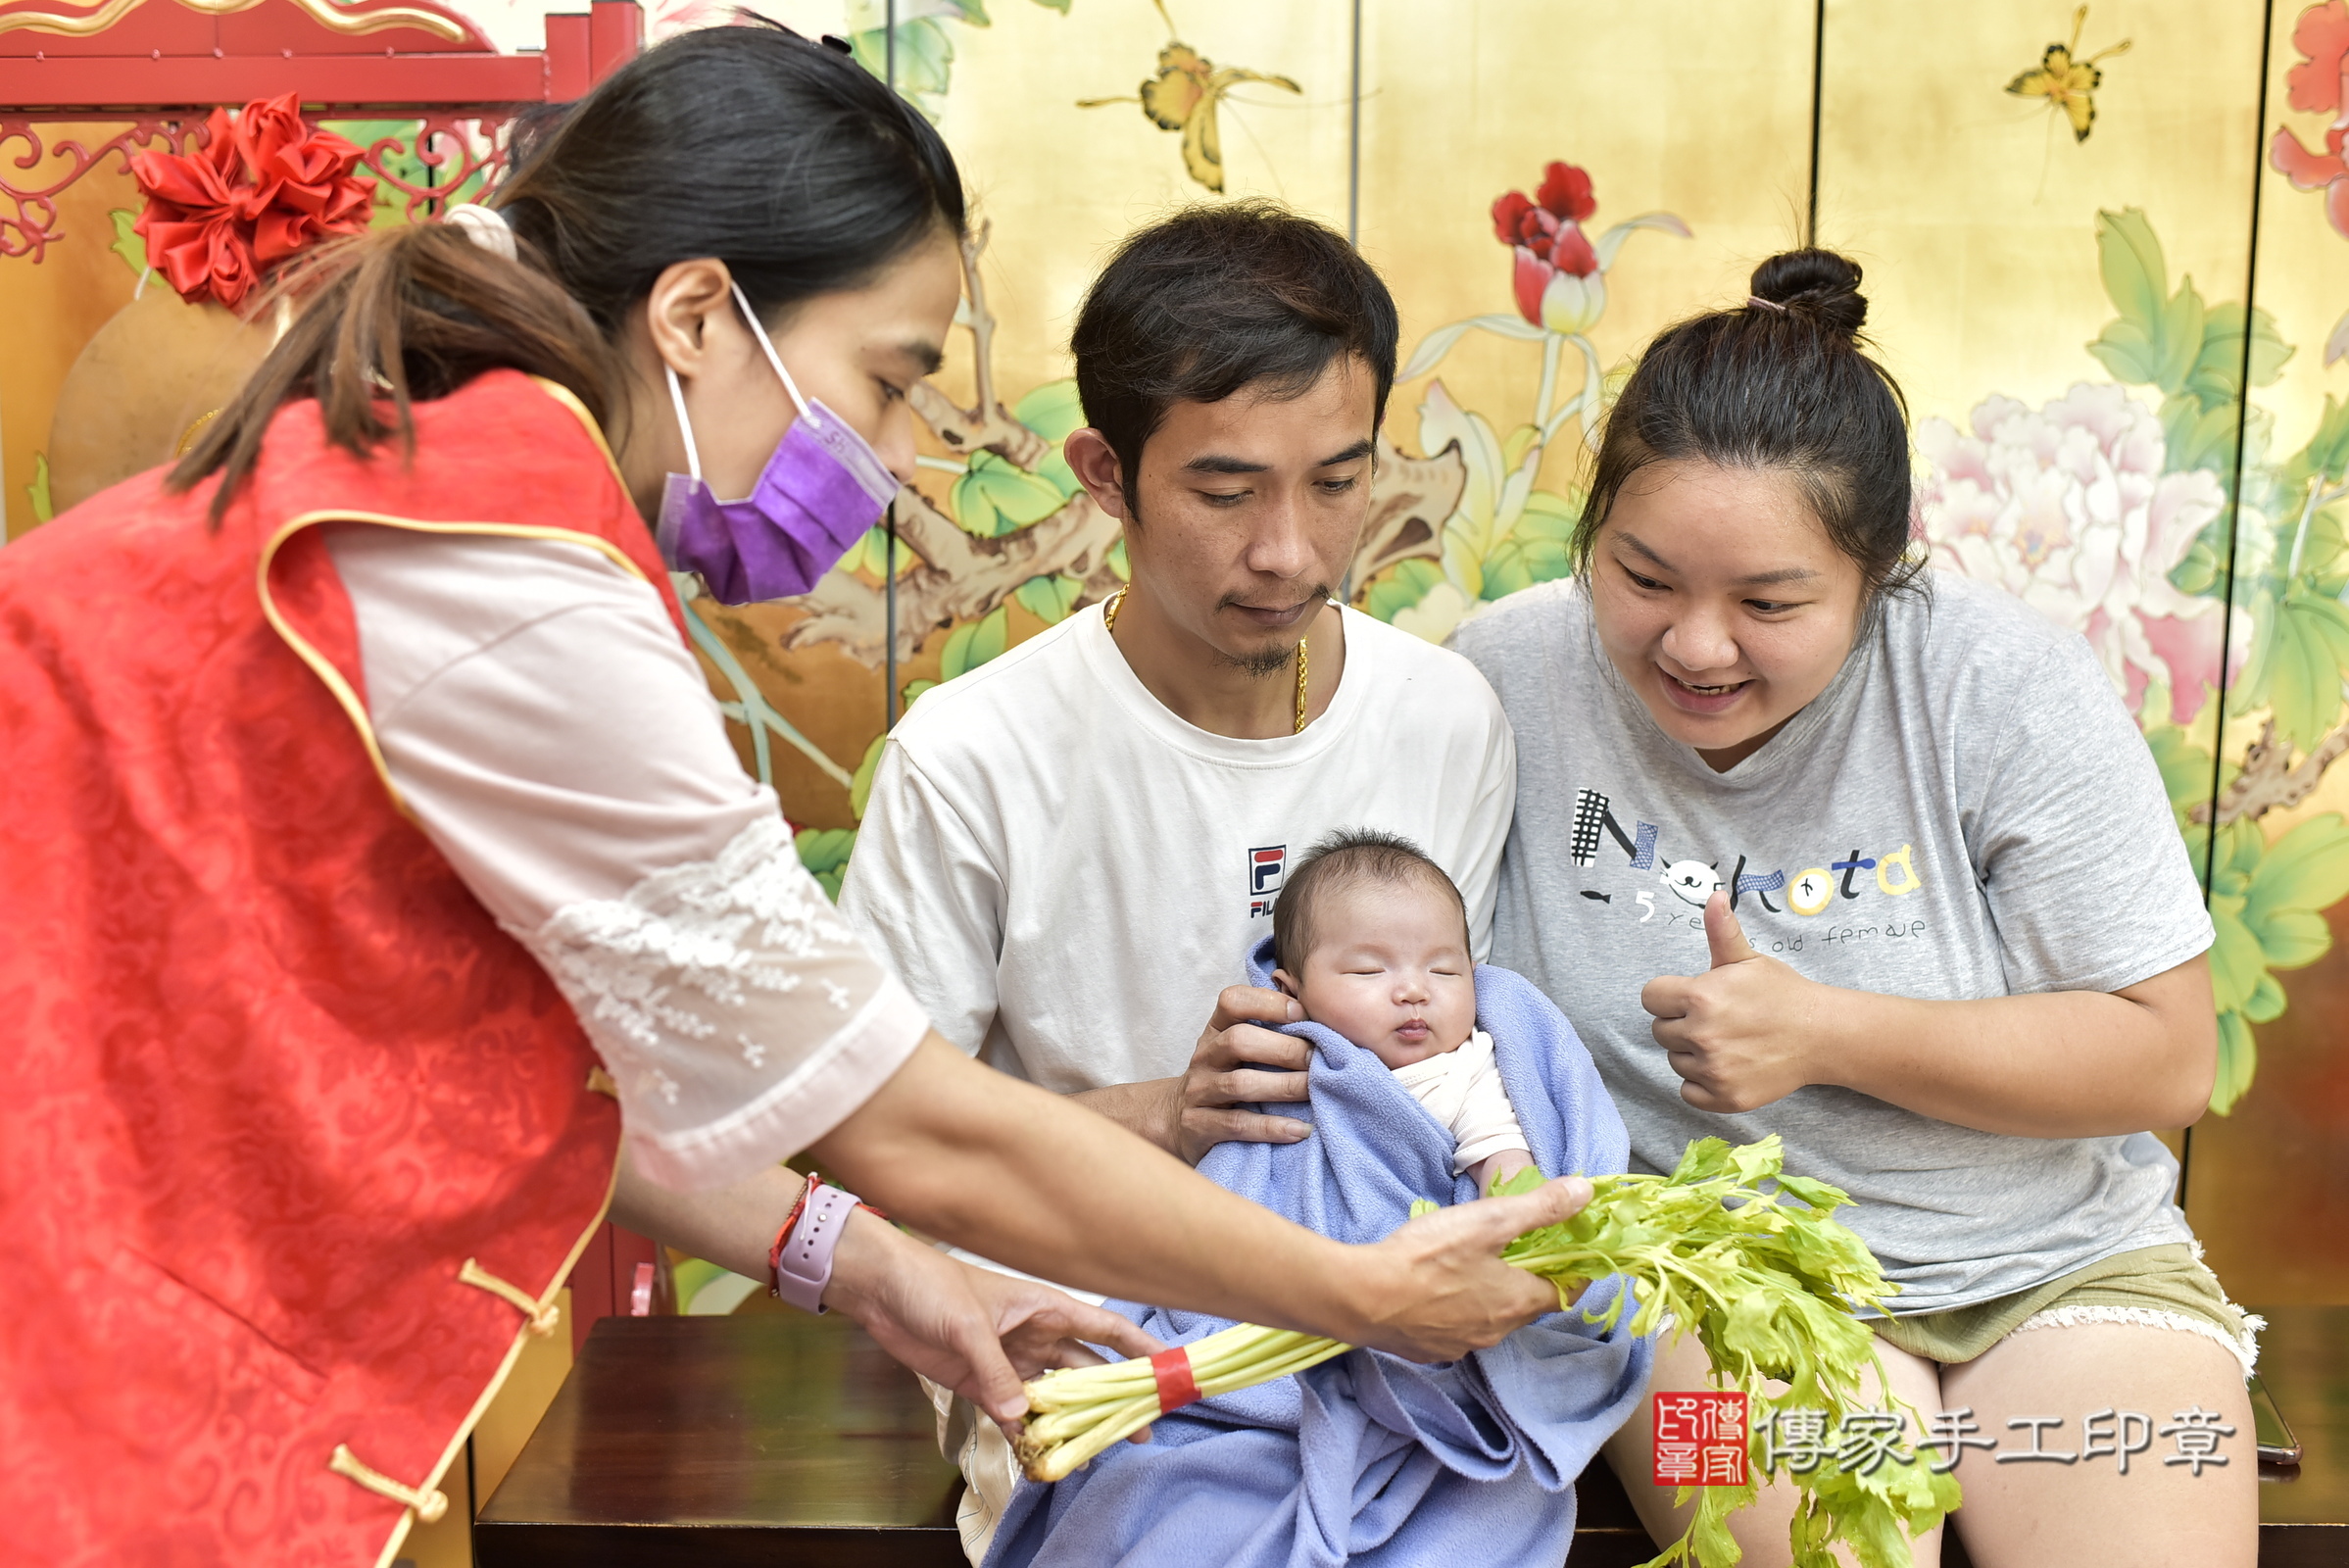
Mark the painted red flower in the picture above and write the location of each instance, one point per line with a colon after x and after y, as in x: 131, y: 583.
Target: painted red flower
x: 1545, y: 232
x: 2319, y: 84
x: 2323, y: 35
x: 264, y: 186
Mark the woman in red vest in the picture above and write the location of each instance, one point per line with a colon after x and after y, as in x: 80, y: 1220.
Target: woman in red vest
x: 374, y: 867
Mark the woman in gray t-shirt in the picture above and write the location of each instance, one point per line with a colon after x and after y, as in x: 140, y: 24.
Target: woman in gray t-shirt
x: 1809, y: 842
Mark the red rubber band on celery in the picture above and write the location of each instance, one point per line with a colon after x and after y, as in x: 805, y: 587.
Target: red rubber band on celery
x: 1176, y: 1386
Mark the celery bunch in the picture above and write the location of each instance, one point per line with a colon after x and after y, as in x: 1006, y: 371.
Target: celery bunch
x: 1767, y: 1280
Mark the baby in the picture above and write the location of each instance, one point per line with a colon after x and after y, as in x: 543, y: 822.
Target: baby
x: 1372, y: 939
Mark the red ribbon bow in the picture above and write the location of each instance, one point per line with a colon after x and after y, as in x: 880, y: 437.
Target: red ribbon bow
x: 264, y: 187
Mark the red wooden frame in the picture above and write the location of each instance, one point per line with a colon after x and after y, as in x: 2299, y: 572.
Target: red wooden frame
x: 166, y: 63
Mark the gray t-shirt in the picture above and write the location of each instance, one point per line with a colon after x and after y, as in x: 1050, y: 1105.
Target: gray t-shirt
x: 1966, y: 811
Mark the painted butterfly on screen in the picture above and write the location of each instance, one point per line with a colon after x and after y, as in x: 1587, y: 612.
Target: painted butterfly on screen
x: 2067, y: 82
x: 1183, y: 96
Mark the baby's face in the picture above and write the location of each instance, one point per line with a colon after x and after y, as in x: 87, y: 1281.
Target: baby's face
x: 1390, y: 970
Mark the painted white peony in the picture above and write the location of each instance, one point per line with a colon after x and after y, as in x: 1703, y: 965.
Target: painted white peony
x: 2067, y: 507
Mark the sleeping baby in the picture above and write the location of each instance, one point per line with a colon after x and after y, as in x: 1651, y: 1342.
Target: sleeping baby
x: 1369, y: 1458
x: 1372, y: 941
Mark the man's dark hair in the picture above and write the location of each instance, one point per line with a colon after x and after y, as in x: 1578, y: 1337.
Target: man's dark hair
x: 1214, y: 299
x: 1345, y: 858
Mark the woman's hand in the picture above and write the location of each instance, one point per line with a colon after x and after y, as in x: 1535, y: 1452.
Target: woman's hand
x: 1449, y: 1291
x: 1742, y: 1032
x: 979, y: 1332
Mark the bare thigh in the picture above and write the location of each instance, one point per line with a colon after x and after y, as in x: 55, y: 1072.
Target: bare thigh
x: 2021, y: 1514
x: 1760, y: 1530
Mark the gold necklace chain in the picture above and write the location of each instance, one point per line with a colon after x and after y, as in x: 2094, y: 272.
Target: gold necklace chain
x: 1110, y: 623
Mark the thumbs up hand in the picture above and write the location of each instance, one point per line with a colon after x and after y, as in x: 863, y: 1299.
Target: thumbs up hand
x: 1739, y: 1034
x: 1724, y: 934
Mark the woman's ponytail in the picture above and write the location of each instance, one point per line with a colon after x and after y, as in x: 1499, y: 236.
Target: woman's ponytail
x: 393, y: 317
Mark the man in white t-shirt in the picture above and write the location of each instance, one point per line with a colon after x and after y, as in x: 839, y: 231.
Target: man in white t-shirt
x: 1067, y: 851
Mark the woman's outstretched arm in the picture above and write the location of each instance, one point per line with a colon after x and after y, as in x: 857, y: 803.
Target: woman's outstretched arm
x: 964, y: 1152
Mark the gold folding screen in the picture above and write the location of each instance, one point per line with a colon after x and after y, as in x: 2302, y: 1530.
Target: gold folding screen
x: 2125, y: 351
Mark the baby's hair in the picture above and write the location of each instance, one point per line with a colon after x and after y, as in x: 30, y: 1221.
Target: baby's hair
x: 1343, y: 858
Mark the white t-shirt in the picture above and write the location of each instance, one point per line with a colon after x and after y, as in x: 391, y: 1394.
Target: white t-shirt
x: 542, y: 720
x: 1065, y: 873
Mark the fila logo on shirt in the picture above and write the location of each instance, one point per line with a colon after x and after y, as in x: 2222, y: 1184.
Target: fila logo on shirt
x: 1265, y: 868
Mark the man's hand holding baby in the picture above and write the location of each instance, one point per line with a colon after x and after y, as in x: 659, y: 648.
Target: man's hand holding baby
x: 1241, y: 1059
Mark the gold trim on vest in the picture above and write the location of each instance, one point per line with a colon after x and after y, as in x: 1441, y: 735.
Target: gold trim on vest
x: 601, y: 1082
x: 429, y: 1506
x: 543, y: 1315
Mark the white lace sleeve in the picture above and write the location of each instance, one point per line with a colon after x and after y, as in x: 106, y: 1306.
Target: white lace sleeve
x: 740, y: 1017
x: 540, y: 716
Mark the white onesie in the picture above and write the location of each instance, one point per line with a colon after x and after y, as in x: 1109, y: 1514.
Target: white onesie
x: 1462, y: 1090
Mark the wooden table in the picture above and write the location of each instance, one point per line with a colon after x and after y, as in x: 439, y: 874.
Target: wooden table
x: 769, y: 1439
x: 790, y: 1442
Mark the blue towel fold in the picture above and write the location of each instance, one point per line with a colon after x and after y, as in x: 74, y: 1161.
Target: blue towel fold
x: 1369, y: 1458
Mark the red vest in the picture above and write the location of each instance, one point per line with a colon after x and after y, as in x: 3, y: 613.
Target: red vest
x: 295, y: 1143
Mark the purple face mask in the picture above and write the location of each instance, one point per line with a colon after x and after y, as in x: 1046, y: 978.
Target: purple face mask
x: 819, y: 493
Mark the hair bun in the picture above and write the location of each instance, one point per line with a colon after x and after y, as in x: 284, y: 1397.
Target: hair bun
x: 1817, y: 282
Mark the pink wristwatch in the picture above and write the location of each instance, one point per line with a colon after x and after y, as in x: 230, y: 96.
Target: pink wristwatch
x: 801, y: 1258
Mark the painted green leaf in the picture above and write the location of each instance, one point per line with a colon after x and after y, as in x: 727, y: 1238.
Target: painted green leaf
x: 2196, y: 437
x: 2216, y: 375
x: 2293, y: 938
x: 824, y: 852
x: 1401, y: 586
x: 1049, y: 599
x: 2181, y: 336
x: 1548, y: 515
x: 129, y: 244
x: 2266, y: 1001
x: 1052, y: 411
x: 1548, y: 559
x: 995, y: 498
x: 2325, y: 457
x: 1116, y: 558
x: 2236, y: 959
x: 1505, y: 571
x: 2185, y: 770
x: 2238, y: 1058
x: 2129, y: 351
x: 2202, y: 568
x: 913, y: 694
x: 974, y: 643
x: 1060, y: 6
x: 2307, y: 870
x: 861, y: 783
x: 2308, y: 639
x: 2135, y: 275
x: 925, y: 59
x: 871, y: 555
x: 37, y: 492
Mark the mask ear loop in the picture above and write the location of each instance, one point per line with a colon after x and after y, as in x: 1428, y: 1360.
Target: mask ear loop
x: 772, y: 358
x: 693, y: 458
